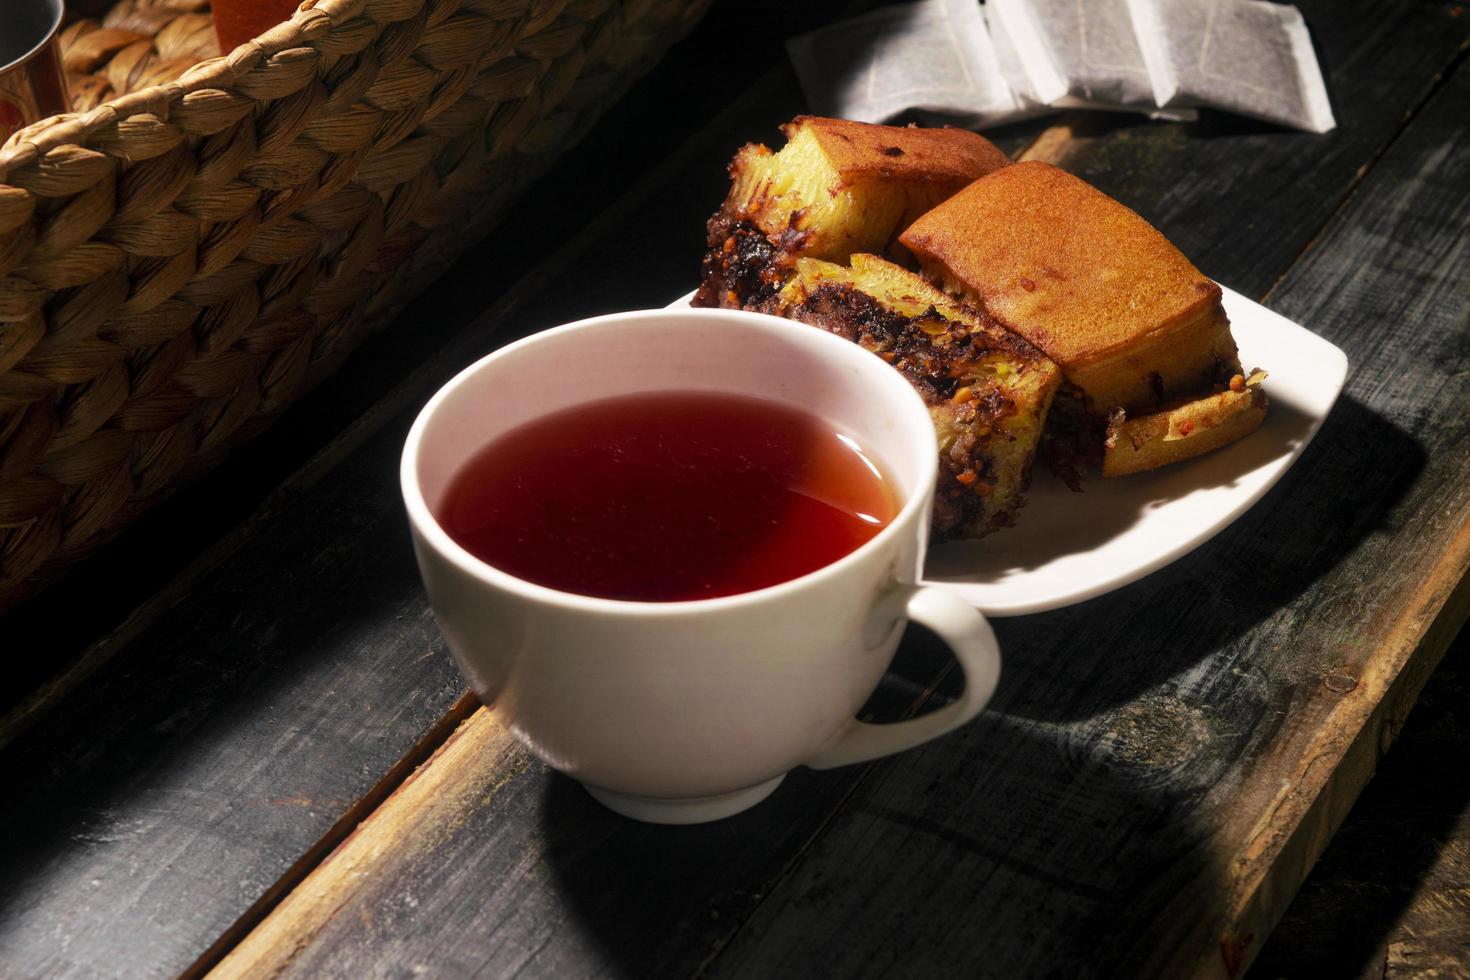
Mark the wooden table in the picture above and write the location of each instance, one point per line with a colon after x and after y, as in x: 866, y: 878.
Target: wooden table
x: 236, y: 741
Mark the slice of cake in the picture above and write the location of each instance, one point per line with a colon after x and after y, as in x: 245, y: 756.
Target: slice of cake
x: 1138, y: 331
x: 1143, y: 442
x: 836, y: 188
x: 988, y: 390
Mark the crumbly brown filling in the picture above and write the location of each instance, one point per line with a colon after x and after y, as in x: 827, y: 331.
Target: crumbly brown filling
x: 741, y: 270
x: 1072, y: 442
x: 939, y: 372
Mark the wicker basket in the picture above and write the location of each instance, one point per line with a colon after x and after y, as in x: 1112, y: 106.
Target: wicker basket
x: 204, y: 237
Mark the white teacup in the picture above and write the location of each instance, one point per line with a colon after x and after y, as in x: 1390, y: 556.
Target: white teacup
x: 681, y: 712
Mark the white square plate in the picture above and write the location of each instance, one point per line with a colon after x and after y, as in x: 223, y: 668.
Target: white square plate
x: 1067, y: 547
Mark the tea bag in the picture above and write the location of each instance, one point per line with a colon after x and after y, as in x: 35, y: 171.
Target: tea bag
x: 1069, y: 55
x: 1079, y: 53
x: 1032, y: 78
x: 1245, y: 56
x: 933, y: 57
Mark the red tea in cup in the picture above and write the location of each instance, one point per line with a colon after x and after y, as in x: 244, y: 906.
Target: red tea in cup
x: 32, y: 85
x: 667, y: 496
x: 554, y: 460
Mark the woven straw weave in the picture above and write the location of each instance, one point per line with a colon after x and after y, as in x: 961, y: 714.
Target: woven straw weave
x: 204, y: 237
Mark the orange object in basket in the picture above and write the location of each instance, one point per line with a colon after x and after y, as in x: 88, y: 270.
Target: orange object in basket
x: 237, y: 21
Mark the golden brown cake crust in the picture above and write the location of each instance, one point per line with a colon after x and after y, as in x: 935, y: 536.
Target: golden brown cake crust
x: 1185, y: 430
x: 836, y: 188
x: 859, y: 150
x: 1061, y: 263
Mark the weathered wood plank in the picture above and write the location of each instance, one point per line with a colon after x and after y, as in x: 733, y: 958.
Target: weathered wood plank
x: 1389, y: 895
x: 1277, y: 851
x: 457, y: 844
x: 1395, y: 262
x: 191, y: 773
x: 1004, y: 850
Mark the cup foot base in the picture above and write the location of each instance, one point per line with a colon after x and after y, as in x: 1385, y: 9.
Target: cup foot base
x: 693, y: 809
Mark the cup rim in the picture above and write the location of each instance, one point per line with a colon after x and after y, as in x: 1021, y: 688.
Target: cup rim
x: 58, y: 14
x: 436, y: 537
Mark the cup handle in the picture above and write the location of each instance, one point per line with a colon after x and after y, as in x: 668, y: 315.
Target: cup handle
x: 972, y: 641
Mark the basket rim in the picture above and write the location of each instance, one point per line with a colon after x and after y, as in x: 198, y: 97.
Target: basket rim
x: 313, y: 18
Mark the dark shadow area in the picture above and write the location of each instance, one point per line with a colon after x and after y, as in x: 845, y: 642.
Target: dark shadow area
x: 935, y: 864
x: 1216, y: 123
x: 221, y: 745
x: 1106, y: 652
x: 1397, y: 869
x: 1072, y: 793
x: 647, y: 900
x: 921, y: 665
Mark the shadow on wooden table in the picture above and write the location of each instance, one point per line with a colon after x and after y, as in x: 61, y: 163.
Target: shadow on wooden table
x: 1060, y: 831
x: 940, y: 877
x: 1388, y: 896
x: 1181, y: 626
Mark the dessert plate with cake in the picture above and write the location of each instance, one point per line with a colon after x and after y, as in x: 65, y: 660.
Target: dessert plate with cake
x: 1102, y: 407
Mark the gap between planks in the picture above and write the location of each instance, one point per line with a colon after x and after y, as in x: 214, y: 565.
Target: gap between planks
x: 403, y: 772
x: 470, y: 746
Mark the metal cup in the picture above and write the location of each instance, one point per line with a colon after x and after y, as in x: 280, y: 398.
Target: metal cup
x: 32, y: 84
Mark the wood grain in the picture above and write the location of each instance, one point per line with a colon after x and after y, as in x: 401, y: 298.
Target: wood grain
x: 193, y: 771
x: 528, y: 873
x: 1388, y: 900
x: 465, y: 775
x: 1092, y: 819
x: 1394, y: 262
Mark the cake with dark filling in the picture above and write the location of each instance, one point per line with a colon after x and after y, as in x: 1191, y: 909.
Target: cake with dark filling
x: 988, y: 390
x: 836, y: 188
x: 1152, y: 370
x: 1026, y: 307
x: 841, y: 192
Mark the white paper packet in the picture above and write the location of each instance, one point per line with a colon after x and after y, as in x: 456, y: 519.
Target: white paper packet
x: 1245, y: 56
x: 1023, y: 57
x: 1060, y: 53
x: 933, y: 57
x: 1162, y: 57
x: 1079, y: 51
